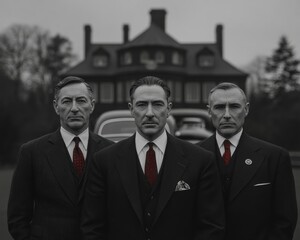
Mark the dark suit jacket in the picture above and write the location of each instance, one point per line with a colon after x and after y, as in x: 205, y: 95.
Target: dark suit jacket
x: 262, y: 201
x: 112, y: 205
x: 45, y: 195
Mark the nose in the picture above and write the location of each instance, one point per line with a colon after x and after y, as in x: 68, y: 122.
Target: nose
x: 227, y: 113
x: 149, y: 112
x: 74, y: 106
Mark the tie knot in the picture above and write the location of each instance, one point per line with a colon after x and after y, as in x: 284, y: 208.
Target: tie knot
x: 150, y: 144
x: 76, y: 140
x: 226, y: 144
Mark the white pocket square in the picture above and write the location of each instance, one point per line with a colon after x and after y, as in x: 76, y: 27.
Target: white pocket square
x: 182, y: 186
x: 262, y: 184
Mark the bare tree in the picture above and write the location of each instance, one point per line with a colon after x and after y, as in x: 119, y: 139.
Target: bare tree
x: 30, y: 56
x: 16, y: 45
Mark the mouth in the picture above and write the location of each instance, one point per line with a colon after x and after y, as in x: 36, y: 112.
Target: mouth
x: 227, y: 125
x: 75, y: 118
x: 149, y: 124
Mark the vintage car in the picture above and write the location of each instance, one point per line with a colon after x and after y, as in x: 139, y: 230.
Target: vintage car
x: 193, y: 125
x: 117, y: 125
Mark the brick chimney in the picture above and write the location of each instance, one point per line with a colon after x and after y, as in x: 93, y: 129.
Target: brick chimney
x: 125, y: 33
x: 158, y: 18
x: 219, y: 38
x: 87, y: 39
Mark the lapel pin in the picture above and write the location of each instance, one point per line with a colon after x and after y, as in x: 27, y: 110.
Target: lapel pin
x: 248, y: 161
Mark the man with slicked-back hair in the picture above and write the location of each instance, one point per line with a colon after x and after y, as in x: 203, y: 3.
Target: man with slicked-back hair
x: 152, y: 185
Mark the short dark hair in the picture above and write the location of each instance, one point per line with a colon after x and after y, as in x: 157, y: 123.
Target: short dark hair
x: 226, y: 86
x: 70, y: 80
x: 149, y: 80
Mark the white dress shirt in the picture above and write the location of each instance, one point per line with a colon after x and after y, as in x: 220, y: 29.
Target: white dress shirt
x: 70, y: 144
x: 159, y: 147
x: 233, y: 140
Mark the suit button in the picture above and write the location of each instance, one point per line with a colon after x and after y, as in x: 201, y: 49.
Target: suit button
x: 147, y: 229
x: 148, y: 214
x: 152, y: 197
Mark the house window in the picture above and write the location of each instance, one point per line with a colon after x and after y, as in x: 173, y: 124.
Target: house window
x: 177, y: 58
x: 100, y: 60
x: 144, y: 57
x: 176, y: 90
x: 159, y: 57
x: 127, y: 58
x: 95, y: 88
x: 120, y: 89
x: 127, y: 88
x: 106, y: 92
x: 206, y: 61
x: 206, y: 87
x: 192, y: 92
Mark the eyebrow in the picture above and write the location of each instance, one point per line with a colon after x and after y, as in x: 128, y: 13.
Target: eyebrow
x: 81, y: 96
x: 230, y: 104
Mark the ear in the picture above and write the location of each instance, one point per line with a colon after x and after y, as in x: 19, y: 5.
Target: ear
x: 130, y: 106
x: 93, y: 102
x: 55, y: 105
x: 247, y: 107
x: 169, y: 107
x: 208, y: 110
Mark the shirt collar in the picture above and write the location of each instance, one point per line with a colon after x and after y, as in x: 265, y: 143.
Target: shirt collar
x: 160, y: 142
x: 68, y: 137
x: 234, y: 140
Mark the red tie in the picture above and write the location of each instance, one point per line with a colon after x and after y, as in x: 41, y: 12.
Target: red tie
x: 78, y: 159
x: 227, y: 154
x: 150, y: 165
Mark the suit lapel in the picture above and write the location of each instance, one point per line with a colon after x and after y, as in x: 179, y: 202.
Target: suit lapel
x: 211, y: 145
x: 94, y: 145
x: 60, y: 163
x: 174, y: 165
x: 247, y: 163
x: 127, y: 168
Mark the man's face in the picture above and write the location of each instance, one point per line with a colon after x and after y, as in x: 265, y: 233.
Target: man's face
x: 150, y: 109
x: 74, y: 106
x: 228, y: 109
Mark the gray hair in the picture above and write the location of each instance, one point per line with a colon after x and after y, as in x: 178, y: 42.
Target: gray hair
x: 226, y: 86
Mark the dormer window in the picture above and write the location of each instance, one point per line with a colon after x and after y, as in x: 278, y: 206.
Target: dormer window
x: 206, y: 58
x: 177, y: 58
x: 144, y: 57
x: 127, y: 58
x: 100, y: 60
x: 159, y: 57
x: 206, y: 61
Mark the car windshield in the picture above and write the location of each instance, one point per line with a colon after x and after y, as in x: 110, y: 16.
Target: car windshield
x: 117, y: 126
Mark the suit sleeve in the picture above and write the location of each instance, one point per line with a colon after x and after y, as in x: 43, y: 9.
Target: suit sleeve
x: 284, y: 207
x: 21, y: 202
x: 93, y: 219
x: 210, y: 206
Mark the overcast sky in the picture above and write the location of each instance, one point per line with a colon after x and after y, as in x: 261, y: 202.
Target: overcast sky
x: 251, y: 27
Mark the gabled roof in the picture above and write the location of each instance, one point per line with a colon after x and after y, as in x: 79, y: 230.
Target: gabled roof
x: 86, y: 68
x: 221, y: 66
x: 153, y: 36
